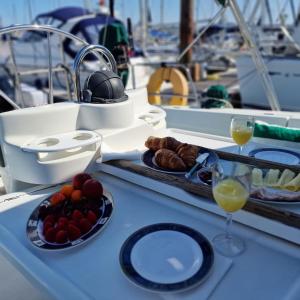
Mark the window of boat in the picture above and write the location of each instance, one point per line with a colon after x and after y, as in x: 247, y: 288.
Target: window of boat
x: 93, y: 32
x: 76, y: 45
x: 89, y: 34
x: 36, y: 36
x: 33, y: 36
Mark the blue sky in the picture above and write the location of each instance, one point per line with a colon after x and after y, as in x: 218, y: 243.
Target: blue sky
x: 16, y: 11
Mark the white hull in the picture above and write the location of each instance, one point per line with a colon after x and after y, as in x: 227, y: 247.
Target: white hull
x: 285, y: 75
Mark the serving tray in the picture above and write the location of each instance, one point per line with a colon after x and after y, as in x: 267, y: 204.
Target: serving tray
x: 284, y: 216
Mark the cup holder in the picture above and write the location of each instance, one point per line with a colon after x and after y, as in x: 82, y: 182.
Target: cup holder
x: 62, y: 142
x: 48, y: 142
x: 82, y: 136
x: 154, y: 111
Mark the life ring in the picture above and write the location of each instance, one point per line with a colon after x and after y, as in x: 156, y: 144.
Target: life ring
x: 179, y: 82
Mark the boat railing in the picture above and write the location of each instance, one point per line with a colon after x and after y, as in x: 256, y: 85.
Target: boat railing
x: 49, y: 30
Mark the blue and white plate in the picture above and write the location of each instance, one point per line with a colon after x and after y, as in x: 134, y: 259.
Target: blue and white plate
x: 34, y: 226
x: 148, y: 158
x: 276, y: 155
x: 166, y: 257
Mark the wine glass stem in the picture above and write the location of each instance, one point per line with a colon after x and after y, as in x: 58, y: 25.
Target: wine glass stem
x: 228, y: 225
x: 240, y: 149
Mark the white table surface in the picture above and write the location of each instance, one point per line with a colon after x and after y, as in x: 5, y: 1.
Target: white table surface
x: 269, y: 269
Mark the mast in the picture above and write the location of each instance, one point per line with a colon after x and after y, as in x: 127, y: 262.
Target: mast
x: 30, y: 11
x: 112, y: 8
x: 186, y: 28
x: 293, y: 9
x: 254, y: 12
x: 245, y: 8
x: 261, y: 20
x: 268, y: 8
x: 161, y: 12
x: 196, y: 12
x: 143, y: 23
x: 14, y: 13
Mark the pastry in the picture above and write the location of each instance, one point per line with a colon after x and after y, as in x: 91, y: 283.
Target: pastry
x: 168, y: 159
x: 188, y: 153
x: 169, y: 143
x: 155, y: 143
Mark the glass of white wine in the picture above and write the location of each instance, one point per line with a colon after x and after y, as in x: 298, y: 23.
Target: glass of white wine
x: 241, y: 130
x: 231, y: 188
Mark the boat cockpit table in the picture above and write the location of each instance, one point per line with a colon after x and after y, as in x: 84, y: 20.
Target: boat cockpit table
x: 268, y: 269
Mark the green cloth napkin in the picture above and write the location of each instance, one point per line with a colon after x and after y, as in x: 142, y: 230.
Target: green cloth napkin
x: 276, y: 132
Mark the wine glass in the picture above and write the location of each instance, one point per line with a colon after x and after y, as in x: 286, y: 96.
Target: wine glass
x: 231, y: 188
x: 241, y: 129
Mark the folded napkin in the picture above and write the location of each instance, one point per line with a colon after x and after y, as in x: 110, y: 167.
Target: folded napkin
x: 270, y: 131
x: 204, y: 290
x: 108, y: 154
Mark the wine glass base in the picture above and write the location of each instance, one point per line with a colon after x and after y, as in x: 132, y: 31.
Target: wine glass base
x: 229, y: 246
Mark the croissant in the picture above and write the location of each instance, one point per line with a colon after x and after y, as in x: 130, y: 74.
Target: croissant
x: 169, y: 143
x: 188, y: 153
x: 155, y: 143
x: 168, y: 159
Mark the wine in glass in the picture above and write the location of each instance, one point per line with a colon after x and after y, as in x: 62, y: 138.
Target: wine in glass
x: 241, y: 129
x: 231, y: 189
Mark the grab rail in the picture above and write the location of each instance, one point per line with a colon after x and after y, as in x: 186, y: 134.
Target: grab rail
x: 44, y: 28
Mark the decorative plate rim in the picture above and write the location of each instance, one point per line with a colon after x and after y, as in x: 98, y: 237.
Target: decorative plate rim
x: 155, y: 167
x: 254, y: 151
x: 197, y: 278
x: 35, y: 239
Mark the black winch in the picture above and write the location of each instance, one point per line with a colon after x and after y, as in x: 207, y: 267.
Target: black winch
x: 104, y: 87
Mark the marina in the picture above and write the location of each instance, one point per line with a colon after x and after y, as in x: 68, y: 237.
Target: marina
x: 148, y: 159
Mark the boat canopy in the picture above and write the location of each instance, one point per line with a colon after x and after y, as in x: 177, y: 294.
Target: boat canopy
x: 65, y: 13
x: 88, y: 29
x: 56, y: 18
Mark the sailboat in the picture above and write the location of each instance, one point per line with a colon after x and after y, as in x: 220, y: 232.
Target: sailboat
x: 280, y: 48
x: 30, y: 49
x: 157, y: 243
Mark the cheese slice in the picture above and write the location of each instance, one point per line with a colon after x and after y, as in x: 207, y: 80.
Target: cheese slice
x: 271, y: 177
x: 257, y: 177
x: 294, y: 184
x: 286, y: 176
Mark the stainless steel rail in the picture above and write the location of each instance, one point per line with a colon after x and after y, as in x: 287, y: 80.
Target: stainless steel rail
x: 50, y: 73
x: 17, y: 83
x: 80, y: 57
x: 42, y: 28
x: 45, y: 28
